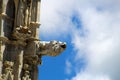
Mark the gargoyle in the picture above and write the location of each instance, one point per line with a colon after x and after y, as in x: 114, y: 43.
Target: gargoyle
x: 35, y: 50
x: 51, y: 48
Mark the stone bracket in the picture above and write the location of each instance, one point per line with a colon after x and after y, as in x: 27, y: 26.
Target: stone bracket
x: 12, y: 42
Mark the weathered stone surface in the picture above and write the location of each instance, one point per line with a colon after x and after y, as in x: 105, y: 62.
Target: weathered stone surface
x: 8, y: 69
x: 20, y: 48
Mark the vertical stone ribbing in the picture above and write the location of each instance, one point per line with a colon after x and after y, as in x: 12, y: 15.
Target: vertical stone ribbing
x: 1, y: 2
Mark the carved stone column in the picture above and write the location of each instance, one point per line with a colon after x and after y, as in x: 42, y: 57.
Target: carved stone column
x: 2, y: 46
x: 35, y: 19
x: 1, y: 51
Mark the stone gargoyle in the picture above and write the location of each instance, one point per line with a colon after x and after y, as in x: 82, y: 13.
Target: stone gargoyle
x: 35, y: 50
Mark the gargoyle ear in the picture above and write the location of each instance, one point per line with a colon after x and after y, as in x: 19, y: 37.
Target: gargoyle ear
x: 53, y: 41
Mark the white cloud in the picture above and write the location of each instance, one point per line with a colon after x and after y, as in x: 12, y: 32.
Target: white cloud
x: 69, y: 67
x: 100, y: 45
x: 55, y: 17
x: 89, y: 76
x: 100, y: 40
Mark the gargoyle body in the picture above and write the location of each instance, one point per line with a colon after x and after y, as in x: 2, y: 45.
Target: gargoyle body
x: 37, y: 49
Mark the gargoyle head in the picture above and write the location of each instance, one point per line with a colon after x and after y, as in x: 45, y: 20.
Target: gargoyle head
x: 57, y: 47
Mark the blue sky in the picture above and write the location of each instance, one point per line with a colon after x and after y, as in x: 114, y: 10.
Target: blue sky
x: 91, y: 30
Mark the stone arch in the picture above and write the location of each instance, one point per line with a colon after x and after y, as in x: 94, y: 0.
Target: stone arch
x: 10, y: 12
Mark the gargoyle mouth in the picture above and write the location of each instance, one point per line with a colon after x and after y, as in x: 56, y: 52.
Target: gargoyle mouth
x: 63, y: 46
